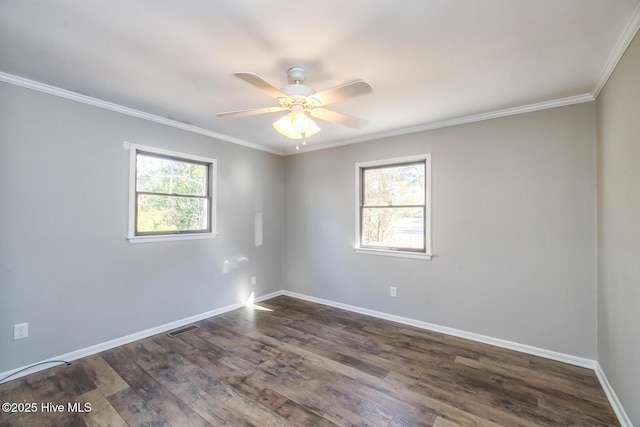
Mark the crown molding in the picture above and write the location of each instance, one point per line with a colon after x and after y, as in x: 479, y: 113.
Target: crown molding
x: 621, y: 46
x: 561, y: 102
x: 52, y: 90
x: 67, y: 94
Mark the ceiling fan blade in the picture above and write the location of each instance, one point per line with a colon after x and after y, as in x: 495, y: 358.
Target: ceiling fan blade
x: 249, y: 112
x: 343, y: 119
x: 347, y: 90
x: 261, y: 84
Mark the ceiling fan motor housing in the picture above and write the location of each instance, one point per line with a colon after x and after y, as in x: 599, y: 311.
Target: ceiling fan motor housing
x: 298, y: 90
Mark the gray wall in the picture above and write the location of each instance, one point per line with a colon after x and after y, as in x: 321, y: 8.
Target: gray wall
x: 618, y: 153
x: 65, y: 265
x: 513, y: 230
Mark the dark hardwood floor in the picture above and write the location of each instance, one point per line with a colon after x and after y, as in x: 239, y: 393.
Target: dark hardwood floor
x: 295, y: 363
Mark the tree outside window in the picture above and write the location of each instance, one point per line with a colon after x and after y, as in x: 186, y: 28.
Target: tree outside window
x: 172, y: 195
x: 393, y: 205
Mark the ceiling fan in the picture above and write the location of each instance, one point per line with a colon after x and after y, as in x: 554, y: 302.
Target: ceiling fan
x: 302, y: 102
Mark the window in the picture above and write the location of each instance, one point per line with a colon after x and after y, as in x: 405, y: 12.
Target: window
x: 171, y: 195
x: 393, y: 207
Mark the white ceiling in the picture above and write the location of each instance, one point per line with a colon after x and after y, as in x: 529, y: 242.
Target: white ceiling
x: 430, y: 62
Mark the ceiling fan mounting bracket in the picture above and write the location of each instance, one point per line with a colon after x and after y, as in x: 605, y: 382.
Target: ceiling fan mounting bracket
x: 297, y: 74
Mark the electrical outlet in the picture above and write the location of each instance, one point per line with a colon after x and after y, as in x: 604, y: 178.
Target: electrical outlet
x: 20, y: 331
x: 392, y: 291
x: 253, y: 280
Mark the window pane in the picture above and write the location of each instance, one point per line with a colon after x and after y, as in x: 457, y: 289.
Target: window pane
x: 394, y: 186
x: 171, y: 213
x: 393, y: 227
x: 164, y: 175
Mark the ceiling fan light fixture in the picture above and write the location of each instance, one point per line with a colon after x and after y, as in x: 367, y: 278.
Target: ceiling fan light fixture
x: 300, y: 122
x: 296, y: 125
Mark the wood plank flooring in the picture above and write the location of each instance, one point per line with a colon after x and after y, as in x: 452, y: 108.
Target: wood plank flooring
x: 289, y: 362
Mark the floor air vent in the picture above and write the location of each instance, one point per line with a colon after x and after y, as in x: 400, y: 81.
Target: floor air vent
x: 182, y: 330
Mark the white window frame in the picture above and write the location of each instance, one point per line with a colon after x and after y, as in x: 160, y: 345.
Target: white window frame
x: 131, y: 236
x: 427, y: 177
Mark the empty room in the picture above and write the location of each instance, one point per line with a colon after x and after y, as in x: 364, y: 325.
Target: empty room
x: 356, y: 213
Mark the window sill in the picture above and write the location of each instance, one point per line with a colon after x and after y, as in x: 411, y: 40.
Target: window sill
x: 399, y: 254
x: 170, y: 237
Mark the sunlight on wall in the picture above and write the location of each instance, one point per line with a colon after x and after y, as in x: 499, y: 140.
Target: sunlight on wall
x: 230, y: 265
x: 251, y: 298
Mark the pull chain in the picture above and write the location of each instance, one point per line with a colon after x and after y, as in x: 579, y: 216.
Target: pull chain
x: 304, y: 140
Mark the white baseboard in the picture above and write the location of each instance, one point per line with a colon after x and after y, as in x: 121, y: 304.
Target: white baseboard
x: 88, y: 351
x: 613, y: 399
x: 523, y: 348
x: 269, y: 296
x: 553, y: 355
